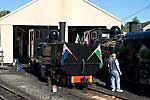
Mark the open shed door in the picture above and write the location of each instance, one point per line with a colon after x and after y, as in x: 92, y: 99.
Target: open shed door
x: 31, y: 43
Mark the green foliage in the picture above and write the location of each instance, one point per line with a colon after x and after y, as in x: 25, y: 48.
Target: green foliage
x: 4, y: 12
x: 123, y: 28
x: 135, y: 19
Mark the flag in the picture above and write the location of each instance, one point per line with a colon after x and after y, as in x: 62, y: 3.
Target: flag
x: 77, y: 39
x: 65, y: 54
x: 98, y: 53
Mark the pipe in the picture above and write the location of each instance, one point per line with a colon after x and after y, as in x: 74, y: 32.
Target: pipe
x: 62, y: 31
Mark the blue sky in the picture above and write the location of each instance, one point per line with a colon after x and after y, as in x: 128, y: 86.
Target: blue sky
x: 119, y: 8
x: 125, y: 8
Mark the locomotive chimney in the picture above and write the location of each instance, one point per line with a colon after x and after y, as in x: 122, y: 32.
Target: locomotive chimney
x: 62, y: 31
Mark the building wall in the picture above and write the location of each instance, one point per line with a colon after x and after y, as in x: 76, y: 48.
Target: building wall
x: 146, y: 27
x: 81, y: 13
x: 35, y: 13
x: 51, y: 12
x: 7, y: 42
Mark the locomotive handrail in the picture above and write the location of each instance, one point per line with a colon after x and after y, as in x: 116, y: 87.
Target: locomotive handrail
x: 81, y: 63
x: 83, y: 66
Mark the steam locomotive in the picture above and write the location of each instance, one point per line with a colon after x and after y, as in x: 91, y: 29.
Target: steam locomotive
x: 68, y: 63
x: 134, y: 57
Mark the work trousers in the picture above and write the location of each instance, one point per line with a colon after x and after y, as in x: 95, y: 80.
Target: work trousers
x: 115, y: 80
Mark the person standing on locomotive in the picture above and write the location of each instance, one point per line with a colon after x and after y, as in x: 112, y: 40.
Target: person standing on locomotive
x: 87, y: 40
x: 114, y: 70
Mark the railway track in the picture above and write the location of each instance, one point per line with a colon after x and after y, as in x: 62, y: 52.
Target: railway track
x: 9, y: 94
x: 100, y: 93
x: 92, y: 94
x: 96, y: 92
x: 109, y: 95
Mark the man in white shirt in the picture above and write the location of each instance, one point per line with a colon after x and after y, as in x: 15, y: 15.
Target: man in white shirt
x: 115, y: 73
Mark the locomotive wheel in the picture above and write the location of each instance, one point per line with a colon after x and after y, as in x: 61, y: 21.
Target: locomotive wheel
x: 64, y: 79
x: 42, y: 72
x: 49, y: 81
x: 70, y: 86
x: 68, y: 83
x: 143, y: 77
x: 84, y: 85
x: 52, y: 72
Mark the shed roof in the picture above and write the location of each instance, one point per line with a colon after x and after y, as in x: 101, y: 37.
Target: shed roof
x: 60, y: 10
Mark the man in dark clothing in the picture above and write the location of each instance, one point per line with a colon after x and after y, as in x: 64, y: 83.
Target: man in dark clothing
x: 115, y: 73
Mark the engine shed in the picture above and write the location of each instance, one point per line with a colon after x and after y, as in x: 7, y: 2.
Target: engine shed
x: 38, y: 17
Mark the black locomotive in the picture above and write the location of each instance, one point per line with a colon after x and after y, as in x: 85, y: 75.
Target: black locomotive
x: 134, y: 57
x: 69, y: 63
x: 66, y: 62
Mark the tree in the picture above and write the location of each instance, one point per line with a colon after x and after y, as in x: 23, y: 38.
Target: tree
x: 4, y: 12
x: 124, y: 28
x: 135, y: 19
